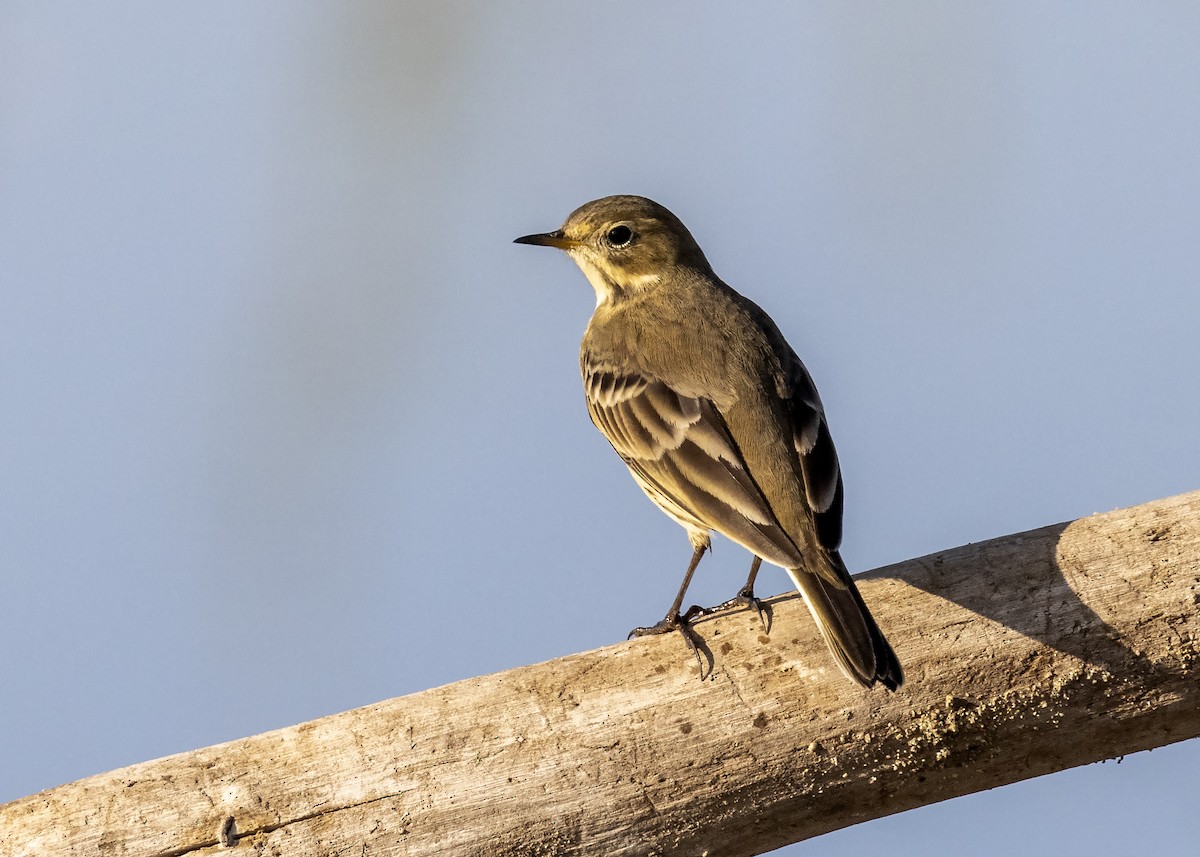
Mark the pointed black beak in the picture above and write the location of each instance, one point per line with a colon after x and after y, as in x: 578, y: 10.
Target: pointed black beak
x: 547, y: 239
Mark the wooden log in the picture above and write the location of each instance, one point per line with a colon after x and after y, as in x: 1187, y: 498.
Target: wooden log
x: 1024, y: 655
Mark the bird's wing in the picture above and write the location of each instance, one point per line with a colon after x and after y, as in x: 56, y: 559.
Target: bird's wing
x: 851, y: 633
x: 818, y: 457
x: 682, y: 454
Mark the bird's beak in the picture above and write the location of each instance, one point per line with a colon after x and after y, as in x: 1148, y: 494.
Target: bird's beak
x: 548, y: 239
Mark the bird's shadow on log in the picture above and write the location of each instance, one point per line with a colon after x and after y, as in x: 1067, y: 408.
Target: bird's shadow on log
x: 1020, y: 583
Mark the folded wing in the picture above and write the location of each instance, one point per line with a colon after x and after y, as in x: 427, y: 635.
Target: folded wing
x: 680, y: 452
x: 818, y: 457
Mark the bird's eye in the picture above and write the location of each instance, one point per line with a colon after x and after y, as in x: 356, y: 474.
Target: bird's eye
x: 620, y: 236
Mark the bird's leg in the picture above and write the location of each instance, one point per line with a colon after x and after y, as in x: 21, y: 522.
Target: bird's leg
x: 744, y: 598
x: 673, y: 621
x: 747, y: 597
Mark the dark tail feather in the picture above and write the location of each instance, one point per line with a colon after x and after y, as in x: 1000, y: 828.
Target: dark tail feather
x: 848, y: 627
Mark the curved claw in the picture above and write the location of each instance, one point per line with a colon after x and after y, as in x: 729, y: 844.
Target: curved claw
x: 664, y: 626
x: 682, y: 624
x: 747, y: 598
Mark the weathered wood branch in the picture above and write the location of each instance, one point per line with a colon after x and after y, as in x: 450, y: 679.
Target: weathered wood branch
x: 1025, y: 655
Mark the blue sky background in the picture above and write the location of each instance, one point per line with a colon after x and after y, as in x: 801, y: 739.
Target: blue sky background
x: 289, y: 426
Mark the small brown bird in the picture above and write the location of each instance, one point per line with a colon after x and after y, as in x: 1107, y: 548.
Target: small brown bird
x: 715, y: 416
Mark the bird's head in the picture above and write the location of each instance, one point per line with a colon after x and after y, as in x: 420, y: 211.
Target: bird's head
x: 624, y: 245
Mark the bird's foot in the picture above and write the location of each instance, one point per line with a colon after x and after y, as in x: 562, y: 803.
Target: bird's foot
x: 682, y: 624
x: 744, y: 598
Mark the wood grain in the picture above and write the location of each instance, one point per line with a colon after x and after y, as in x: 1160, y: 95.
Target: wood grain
x: 1024, y: 655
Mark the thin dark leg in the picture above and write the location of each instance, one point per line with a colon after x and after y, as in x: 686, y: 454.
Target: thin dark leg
x: 746, y: 595
x: 672, y: 621
x: 748, y: 589
x: 697, y: 555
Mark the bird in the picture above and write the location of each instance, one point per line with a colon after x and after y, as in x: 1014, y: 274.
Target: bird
x: 717, y: 419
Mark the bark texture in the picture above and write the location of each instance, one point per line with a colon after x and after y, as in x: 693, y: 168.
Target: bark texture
x: 1024, y: 655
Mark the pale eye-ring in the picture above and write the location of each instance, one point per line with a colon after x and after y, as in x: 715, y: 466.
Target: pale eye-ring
x: 620, y: 236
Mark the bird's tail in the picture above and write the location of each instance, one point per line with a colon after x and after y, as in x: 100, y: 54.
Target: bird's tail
x: 846, y: 624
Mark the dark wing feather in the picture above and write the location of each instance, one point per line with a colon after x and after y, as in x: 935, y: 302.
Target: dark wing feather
x: 818, y: 458
x: 680, y: 452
